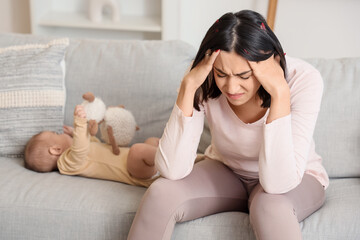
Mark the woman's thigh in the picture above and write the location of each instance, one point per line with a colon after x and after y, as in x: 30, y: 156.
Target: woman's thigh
x: 210, y: 188
x: 277, y: 216
x: 304, y: 200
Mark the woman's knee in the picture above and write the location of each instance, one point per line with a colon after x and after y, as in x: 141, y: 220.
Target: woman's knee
x: 165, y: 190
x: 268, y: 207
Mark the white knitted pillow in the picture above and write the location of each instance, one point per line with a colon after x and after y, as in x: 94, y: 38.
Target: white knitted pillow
x: 32, y: 93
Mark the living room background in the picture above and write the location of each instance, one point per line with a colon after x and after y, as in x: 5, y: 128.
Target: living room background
x: 308, y: 28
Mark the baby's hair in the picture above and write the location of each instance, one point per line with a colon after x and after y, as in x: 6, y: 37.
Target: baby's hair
x: 36, y: 155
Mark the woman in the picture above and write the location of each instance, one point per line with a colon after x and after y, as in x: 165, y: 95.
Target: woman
x: 262, y: 113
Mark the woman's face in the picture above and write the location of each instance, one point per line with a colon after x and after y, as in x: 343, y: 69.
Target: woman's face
x: 234, y: 78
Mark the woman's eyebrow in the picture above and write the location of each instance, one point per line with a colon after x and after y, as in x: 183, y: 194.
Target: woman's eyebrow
x: 238, y: 74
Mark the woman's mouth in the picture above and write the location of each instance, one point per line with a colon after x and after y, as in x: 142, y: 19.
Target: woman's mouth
x: 235, y: 96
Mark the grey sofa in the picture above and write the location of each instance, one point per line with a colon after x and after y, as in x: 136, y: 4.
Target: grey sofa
x: 144, y: 76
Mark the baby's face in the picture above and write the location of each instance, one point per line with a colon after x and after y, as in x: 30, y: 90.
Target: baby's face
x: 63, y: 140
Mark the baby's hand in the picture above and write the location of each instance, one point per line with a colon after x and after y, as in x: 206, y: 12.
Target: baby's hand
x: 80, y: 111
x: 68, y: 130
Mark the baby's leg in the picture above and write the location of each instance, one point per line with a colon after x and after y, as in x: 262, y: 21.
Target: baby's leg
x: 140, y: 161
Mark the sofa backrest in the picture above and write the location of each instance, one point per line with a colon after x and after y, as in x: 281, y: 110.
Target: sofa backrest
x: 337, y: 133
x: 145, y: 75
x: 141, y: 75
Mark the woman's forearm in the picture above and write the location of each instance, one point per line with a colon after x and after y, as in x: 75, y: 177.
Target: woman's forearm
x: 280, y: 104
x: 185, y: 99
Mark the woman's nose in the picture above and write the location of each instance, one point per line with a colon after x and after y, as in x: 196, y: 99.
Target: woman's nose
x: 233, y: 85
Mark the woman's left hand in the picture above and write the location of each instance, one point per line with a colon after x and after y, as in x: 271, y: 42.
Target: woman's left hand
x: 270, y: 75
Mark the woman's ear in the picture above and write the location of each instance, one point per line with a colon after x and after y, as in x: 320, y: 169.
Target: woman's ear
x: 55, y: 150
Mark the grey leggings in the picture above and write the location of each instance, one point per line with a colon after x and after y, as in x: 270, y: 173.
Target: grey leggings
x: 212, y: 188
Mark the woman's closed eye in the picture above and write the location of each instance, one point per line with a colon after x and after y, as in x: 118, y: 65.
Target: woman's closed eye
x: 244, y: 77
x: 221, y: 75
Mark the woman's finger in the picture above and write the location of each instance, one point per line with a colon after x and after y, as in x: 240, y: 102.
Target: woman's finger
x: 210, y: 57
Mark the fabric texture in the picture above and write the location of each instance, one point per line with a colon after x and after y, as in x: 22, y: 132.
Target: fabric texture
x: 32, y: 92
x: 91, y: 158
x: 337, y: 130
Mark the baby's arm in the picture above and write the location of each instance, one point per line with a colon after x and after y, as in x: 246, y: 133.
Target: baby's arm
x: 79, y: 113
x: 74, y: 158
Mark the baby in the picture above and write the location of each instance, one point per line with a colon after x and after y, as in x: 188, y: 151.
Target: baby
x: 75, y: 152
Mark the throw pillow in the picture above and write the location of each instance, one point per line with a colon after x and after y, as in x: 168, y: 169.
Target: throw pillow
x: 32, y: 93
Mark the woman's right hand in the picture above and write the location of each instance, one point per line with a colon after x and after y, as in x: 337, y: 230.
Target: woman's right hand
x: 193, y: 80
x: 198, y: 74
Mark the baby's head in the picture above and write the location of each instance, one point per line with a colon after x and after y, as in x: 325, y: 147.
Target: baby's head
x: 43, y: 150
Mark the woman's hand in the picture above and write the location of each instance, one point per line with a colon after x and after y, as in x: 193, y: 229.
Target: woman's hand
x: 270, y: 75
x: 198, y: 74
x: 193, y: 80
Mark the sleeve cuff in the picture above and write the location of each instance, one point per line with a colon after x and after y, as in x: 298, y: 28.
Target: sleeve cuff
x: 184, y: 118
x: 278, y: 122
x: 79, y: 121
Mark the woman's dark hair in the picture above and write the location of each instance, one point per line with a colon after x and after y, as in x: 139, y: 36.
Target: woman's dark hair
x: 246, y: 33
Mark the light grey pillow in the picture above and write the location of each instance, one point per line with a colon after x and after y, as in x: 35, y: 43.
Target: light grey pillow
x: 32, y: 93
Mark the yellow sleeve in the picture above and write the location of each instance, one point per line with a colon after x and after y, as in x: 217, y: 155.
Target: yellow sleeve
x: 75, y: 157
x: 94, y: 139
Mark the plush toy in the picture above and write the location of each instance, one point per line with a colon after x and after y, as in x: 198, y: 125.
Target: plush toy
x: 95, y: 111
x: 118, y: 128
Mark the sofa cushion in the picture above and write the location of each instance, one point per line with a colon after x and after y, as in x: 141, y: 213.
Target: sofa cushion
x: 32, y: 92
x: 337, y: 133
x: 339, y: 218
x: 53, y: 206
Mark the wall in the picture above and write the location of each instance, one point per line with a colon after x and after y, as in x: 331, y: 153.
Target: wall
x: 307, y: 28
x: 326, y: 28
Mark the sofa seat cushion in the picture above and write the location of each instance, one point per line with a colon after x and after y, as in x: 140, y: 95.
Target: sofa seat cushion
x: 339, y: 218
x: 54, y: 206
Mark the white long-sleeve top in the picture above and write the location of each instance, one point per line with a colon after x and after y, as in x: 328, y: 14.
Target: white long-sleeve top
x: 278, y: 153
